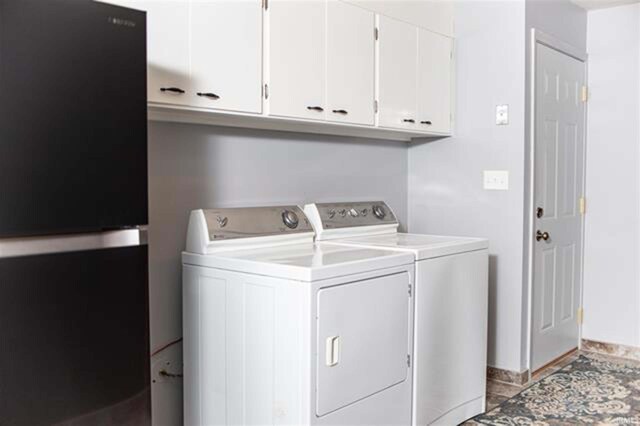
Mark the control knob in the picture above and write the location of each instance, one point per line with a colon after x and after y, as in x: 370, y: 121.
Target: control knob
x: 290, y: 219
x: 379, y: 212
x: 331, y: 213
x: 342, y: 212
x: 354, y: 213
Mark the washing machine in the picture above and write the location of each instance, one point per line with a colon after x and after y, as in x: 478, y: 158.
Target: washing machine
x: 281, y: 330
x: 451, y: 312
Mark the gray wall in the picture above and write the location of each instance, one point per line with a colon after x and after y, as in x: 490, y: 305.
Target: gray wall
x: 445, y: 177
x: 193, y: 166
x: 612, y: 229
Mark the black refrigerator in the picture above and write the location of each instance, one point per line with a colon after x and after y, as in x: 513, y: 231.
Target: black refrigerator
x: 74, y: 346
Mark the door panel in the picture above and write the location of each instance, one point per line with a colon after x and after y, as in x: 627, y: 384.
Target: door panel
x: 559, y: 183
x: 226, y: 55
x: 363, y: 340
x: 74, y: 338
x: 350, y: 63
x: 73, y: 118
x: 297, y: 58
x: 397, y: 74
x: 434, y: 82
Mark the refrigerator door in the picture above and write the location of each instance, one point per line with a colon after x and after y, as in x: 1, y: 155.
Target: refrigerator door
x: 73, y: 117
x: 74, y: 338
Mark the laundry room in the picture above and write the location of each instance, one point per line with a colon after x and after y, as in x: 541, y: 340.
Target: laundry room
x: 319, y: 212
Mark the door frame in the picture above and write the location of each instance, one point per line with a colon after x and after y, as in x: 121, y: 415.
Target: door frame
x: 539, y: 37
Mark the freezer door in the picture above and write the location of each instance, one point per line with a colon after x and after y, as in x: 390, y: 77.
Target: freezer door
x: 73, y: 117
x: 363, y: 339
x: 74, y: 344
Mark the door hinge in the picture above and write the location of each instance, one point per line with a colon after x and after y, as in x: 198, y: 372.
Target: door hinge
x: 376, y: 33
x: 408, y: 360
x: 582, y: 205
x: 580, y: 316
x: 266, y: 91
x: 375, y: 106
x: 584, y: 96
x: 265, y: 4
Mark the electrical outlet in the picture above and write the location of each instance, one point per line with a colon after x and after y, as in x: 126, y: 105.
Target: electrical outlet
x: 496, y: 180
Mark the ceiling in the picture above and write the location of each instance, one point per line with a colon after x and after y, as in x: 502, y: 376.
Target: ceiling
x: 601, y: 4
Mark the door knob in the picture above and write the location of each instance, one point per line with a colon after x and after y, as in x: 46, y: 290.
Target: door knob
x: 542, y: 236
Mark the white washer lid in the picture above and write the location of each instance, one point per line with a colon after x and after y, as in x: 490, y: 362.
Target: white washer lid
x: 302, y: 262
x: 422, y: 246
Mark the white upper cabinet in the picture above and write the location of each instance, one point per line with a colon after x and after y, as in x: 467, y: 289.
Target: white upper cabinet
x: 350, y: 63
x: 397, y: 74
x: 167, y: 48
x: 226, y: 54
x: 296, y: 74
x: 434, y: 82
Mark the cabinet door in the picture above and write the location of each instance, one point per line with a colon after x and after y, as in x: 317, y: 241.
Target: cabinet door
x: 397, y: 74
x: 434, y: 82
x: 226, y: 54
x: 297, y: 58
x: 350, y: 63
x: 167, y: 48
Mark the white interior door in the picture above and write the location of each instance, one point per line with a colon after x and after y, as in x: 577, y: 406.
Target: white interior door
x: 296, y: 57
x: 434, y: 82
x: 350, y: 63
x: 397, y: 73
x: 226, y: 54
x: 559, y: 185
x: 363, y: 340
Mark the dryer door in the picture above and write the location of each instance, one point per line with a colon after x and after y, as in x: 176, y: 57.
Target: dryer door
x: 363, y: 339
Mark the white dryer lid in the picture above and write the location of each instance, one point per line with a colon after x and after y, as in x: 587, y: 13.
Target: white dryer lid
x: 302, y: 262
x: 421, y: 246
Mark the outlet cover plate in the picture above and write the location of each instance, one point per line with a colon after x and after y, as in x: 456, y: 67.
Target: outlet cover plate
x: 496, y: 180
x: 502, y: 115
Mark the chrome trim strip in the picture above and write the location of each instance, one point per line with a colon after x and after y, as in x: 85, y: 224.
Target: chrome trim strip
x: 30, y: 246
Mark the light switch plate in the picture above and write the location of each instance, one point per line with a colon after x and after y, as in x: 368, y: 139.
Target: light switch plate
x: 502, y: 115
x: 496, y: 180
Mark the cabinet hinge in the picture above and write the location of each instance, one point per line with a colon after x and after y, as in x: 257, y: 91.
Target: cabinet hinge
x: 580, y: 316
x: 375, y: 33
x: 409, y: 290
x: 582, y: 203
x: 266, y: 91
x: 375, y: 106
x: 584, y: 96
x: 265, y: 4
x: 408, y: 360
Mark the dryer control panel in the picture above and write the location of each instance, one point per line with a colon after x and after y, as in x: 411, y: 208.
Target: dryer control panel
x: 352, y: 214
x: 251, y: 222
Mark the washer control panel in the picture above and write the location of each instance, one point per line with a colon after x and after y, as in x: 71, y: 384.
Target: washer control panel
x: 346, y: 215
x: 255, y: 222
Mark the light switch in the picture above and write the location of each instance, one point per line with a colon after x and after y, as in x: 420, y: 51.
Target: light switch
x: 502, y: 115
x: 496, y: 180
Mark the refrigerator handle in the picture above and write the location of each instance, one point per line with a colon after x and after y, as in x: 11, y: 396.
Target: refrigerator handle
x: 31, y: 246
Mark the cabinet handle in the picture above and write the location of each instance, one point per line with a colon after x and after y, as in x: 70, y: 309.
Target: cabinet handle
x: 315, y: 108
x: 340, y: 111
x: 408, y: 120
x: 209, y: 95
x: 427, y: 122
x: 172, y: 90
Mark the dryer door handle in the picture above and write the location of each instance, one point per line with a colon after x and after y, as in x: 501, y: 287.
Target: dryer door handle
x: 333, y: 351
